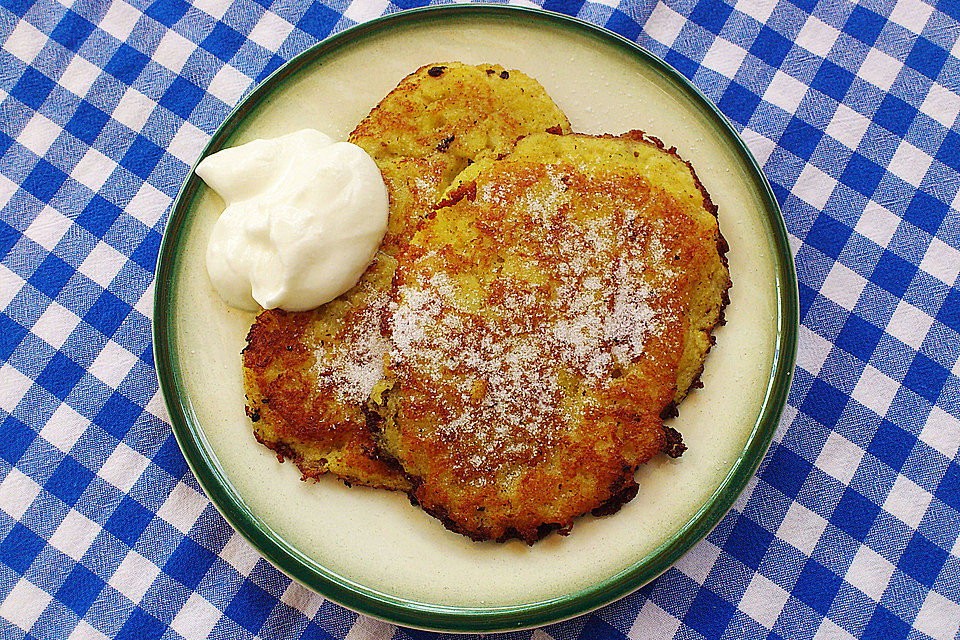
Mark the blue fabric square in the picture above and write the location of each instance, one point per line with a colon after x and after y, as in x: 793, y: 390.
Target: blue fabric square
x: 223, y: 42
x: 884, y: 625
x: 69, y: 480
x: 16, y: 7
x: 709, y: 614
x: 817, y: 587
x: 146, y: 253
x: 832, y: 80
x: 927, y: 58
x: 11, y: 335
x: 926, y: 378
x: 770, y: 46
x: 738, y: 103
x: 949, y: 151
x: 189, y: 563
x: 80, y: 589
x: 17, y: 438
x: 251, y: 607
x: 414, y: 4
x: 60, y: 375
x: 800, y: 139
x: 858, y: 337
x: 828, y: 235
x: 824, y: 403
x: 170, y: 459
x: 141, y: 626
x: 681, y: 63
x: 32, y: 88
x: 748, y: 542
x: 949, y: 313
x: 118, y: 415
x: 894, y: 115
x: 19, y: 549
x: 711, y: 15
x: 128, y: 521
x: 182, y: 97
x: 854, y: 514
x: 87, y: 122
x: 864, y: 25
x: 315, y: 632
x: 72, y: 30
x: 318, y: 20
x: 51, y: 276
x: 98, y: 216
x: 922, y: 560
x: 8, y: 238
x: 862, y: 175
x: 786, y: 471
x: 167, y: 12
x: 926, y: 212
x: 107, y: 313
x: 893, y: 273
x: 596, y: 629
x: 949, y: 488
x: 891, y: 445
x: 623, y: 24
x: 272, y: 65
x: 142, y: 156
x: 44, y: 181
x: 126, y: 64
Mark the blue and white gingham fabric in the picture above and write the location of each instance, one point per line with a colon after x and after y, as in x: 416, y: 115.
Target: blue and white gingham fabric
x: 849, y: 530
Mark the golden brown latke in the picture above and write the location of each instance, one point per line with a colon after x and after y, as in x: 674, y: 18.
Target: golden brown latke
x: 540, y: 324
x: 307, y: 375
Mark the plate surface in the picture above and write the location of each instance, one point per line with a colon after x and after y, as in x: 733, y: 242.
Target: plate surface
x: 370, y: 550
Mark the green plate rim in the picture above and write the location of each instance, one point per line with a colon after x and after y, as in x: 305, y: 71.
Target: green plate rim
x: 409, y: 613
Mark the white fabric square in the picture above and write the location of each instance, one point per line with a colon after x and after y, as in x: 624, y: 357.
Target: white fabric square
x: 363, y: 10
x: 911, y: 14
x: 653, y: 622
x: 724, y: 57
x: 847, y: 127
x: 124, y: 467
x: 366, y: 628
x: 39, y: 134
x: 84, y: 631
x: 79, y: 76
x: 196, y: 619
x: 909, y: 324
x: 48, y: 228
x: 875, y: 390
x: 229, y: 84
x: 239, y: 554
x: 7, y: 188
x: 102, y: 264
x: 697, y: 562
x: 941, y: 432
x: 812, y: 351
x: 173, y: 51
x: 817, y: 36
x: 302, y: 599
x: 785, y: 91
x: 145, y: 304
x: 801, y: 528
x: 13, y: 386
x: 939, y: 617
x: 760, y: 145
x: 870, y: 572
x: 10, y: 285
x: 843, y: 286
x: 182, y: 508
x: 75, y: 535
x: 25, y: 42
x: 839, y: 458
x: 55, y: 325
x: 112, y: 364
x: 830, y: 631
x: 120, y: 20
x: 759, y: 10
x: 186, y: 145
x: 910, y: 163
x: 814, y: 186
x: 17, y: 493
x: 133, y: 110
x: 213, y: 8
x: 271, y: 30
x: 664, y: 24
x: 763, y: 600
x: 134, y: 576
x: 93, y: 170
x: 879, y: 69
x: 64, y: 428
x: 941, y: 104
x: 24, y: 604
x: 941, y: 261
x: 877, y: 223
x: 157, y: 407
x: 907, y: 501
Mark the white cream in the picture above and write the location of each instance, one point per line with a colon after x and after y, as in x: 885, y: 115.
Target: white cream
x: 304, y: 217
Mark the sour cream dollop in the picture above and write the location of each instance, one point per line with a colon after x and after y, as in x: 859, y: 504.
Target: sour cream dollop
x: 304, y: 217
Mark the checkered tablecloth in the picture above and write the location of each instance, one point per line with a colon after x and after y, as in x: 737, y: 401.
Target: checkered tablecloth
x: 850, y: 528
